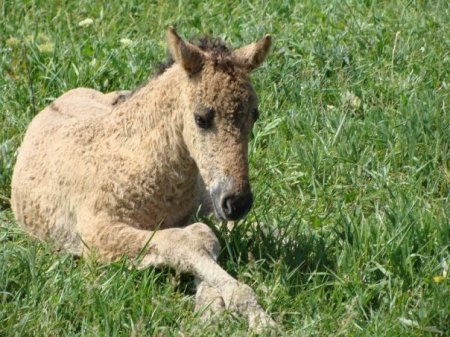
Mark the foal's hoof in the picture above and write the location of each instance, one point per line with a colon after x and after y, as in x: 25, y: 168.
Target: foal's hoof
x: 244, y: 302
x: 260, y: 322
x: 208, y: 303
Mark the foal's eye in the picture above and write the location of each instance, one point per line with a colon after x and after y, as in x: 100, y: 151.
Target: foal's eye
x: 201, y: 122
x: 204, y: 122
x: 255, y: 114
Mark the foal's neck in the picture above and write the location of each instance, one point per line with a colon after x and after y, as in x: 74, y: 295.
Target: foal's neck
x: 150, y: 122
x: 155, y: 107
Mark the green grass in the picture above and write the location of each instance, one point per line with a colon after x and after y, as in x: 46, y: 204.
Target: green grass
x: 350, y: 164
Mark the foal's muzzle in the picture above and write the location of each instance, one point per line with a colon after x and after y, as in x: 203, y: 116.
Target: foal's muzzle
x: 230, y: 205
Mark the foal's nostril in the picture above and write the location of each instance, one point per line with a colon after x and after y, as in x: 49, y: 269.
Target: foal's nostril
x: 236, y: 206
x: 228, y: 205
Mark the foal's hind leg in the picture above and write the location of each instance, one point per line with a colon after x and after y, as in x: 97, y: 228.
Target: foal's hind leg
x: 192, y: 249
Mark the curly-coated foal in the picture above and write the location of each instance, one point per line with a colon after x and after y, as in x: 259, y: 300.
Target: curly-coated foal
x: 119, y: 173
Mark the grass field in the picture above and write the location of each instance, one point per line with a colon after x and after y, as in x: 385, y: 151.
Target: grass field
x: 350, y: 166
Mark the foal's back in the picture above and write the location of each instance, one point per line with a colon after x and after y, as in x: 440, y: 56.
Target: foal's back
x: 48, y: 149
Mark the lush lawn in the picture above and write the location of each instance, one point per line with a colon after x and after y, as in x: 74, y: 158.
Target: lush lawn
x: 350, y: 163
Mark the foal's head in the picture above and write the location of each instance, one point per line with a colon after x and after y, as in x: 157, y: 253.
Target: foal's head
x: 218, y: 120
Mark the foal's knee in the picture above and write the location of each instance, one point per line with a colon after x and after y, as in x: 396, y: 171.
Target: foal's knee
x: 205, y: 238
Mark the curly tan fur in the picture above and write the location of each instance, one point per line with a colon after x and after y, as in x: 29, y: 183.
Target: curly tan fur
x: 119, y: 173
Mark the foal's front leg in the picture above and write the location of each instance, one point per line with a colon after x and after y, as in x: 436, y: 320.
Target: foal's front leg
x: 192, y: 249
x: 208, y: 301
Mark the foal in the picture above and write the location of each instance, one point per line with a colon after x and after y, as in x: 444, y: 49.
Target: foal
x: 122, y: 173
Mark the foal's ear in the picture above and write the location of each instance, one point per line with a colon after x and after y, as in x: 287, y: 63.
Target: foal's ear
x: 187, y: 55
x: 252, y: 55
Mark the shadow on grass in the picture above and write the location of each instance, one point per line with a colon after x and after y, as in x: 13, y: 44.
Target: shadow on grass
x: 298, y: 250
